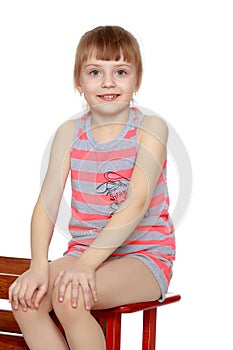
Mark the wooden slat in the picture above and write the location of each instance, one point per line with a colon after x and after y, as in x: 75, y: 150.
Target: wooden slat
x: 5, y: 282
x: 12, y: 265
x: 8, y: 323
x: 12, y: 343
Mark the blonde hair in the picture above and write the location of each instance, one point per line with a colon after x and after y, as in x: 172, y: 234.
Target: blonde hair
x: 108, y: 43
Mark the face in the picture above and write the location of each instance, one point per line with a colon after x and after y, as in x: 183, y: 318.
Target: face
x: 105, y: 82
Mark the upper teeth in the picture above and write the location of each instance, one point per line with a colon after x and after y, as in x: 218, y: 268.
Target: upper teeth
x: 108, y: 96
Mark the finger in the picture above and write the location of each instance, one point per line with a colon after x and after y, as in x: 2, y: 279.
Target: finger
x: 86, y: 295
x: 29, y: 296
x: 10, y: 291
x: 62, y: 288
x: 39, y: 296
x: 74, y: 294
x: 59, y: 277
x: 34, y: 298
x: 93, y: 288
x: 14, y: 295
x: 21, y: 297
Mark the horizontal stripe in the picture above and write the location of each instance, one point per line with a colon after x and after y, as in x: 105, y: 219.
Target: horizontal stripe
x: 91, y: 198
x: 102, y: 156
x: 156, y: 200
x: 165, y: 242
x: 80, y: 228
x: 84, y: 242
x: 166, y: 230
x: 106, y: 199
x: 88, y: 216
x: 97, y: 177
x: 131, y: 245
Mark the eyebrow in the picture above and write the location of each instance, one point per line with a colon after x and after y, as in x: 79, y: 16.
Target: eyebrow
x: 122, y: 64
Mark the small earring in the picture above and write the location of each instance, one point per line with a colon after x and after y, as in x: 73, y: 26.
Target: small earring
x: 133, y: 101
x: 85, y: 106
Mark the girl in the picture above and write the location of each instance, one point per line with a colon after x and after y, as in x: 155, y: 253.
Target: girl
x: 122, y: 240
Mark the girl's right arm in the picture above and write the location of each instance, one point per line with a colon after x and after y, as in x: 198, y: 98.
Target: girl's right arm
x: 29, y: 289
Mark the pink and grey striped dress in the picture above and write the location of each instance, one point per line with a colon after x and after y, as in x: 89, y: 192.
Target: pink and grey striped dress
x: 100, y: 175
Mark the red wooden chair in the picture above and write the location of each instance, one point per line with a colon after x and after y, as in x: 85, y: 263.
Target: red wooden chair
x: 110, y: 319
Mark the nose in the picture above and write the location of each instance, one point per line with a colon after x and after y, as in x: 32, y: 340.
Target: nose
x: 108, y: 81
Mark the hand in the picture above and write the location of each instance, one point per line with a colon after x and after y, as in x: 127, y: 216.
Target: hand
x: 79, y: 275
x: 28, y: 289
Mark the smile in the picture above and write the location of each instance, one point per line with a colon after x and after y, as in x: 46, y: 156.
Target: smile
x: 108, y: 97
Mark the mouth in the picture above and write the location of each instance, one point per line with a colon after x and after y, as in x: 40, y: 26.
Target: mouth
x: 109, y: 97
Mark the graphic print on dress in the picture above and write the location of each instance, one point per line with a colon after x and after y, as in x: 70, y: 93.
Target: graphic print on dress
x: 115, y: 187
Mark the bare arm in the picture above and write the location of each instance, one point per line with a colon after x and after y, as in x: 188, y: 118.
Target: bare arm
x: 46, y: 209
x: 34, y: 282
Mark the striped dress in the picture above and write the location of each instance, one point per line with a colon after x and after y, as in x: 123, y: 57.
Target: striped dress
x: 100, y: 175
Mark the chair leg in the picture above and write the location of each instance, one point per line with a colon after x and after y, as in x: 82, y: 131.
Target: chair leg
x: 113, y: 332
x: 149, y: 329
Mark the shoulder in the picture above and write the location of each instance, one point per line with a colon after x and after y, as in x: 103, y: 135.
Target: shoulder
x: 63, y: 138
x: 65, y: 131
x: 154, y: 126
x: 67, y: 128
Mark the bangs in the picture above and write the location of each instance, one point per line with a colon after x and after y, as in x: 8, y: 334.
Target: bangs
x: 108, y: 53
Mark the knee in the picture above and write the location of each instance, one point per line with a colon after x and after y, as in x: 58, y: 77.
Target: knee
x: 20, y: 316
x: 64, y: 311
x: 24, y: 318
x: 27, y: 318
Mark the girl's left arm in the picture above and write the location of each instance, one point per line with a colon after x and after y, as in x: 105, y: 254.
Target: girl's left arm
x: 153, y: 136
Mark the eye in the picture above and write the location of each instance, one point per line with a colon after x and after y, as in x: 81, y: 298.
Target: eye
x: 94, y: 72
x: 121, y: 72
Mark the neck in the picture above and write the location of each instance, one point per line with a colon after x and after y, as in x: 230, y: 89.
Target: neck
x: 109, y: 113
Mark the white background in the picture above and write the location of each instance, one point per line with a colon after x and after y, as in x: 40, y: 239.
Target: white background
x: 188, y: 79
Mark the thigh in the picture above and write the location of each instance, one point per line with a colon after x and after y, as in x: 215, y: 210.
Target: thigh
x: 123, y: 281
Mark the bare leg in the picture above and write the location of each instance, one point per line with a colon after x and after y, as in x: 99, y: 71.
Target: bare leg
x: 125, y: 281
x: 121, y: 281
x: 82, y: 330
x: 39, y: 331
x: 38, y: 328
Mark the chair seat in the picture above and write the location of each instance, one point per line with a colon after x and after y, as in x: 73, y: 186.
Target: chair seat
x: 134, y: 307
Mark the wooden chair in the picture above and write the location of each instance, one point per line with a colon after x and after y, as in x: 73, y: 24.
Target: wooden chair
x: 110, y: 319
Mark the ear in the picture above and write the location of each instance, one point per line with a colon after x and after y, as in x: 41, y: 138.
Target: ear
x: 79, y: 88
